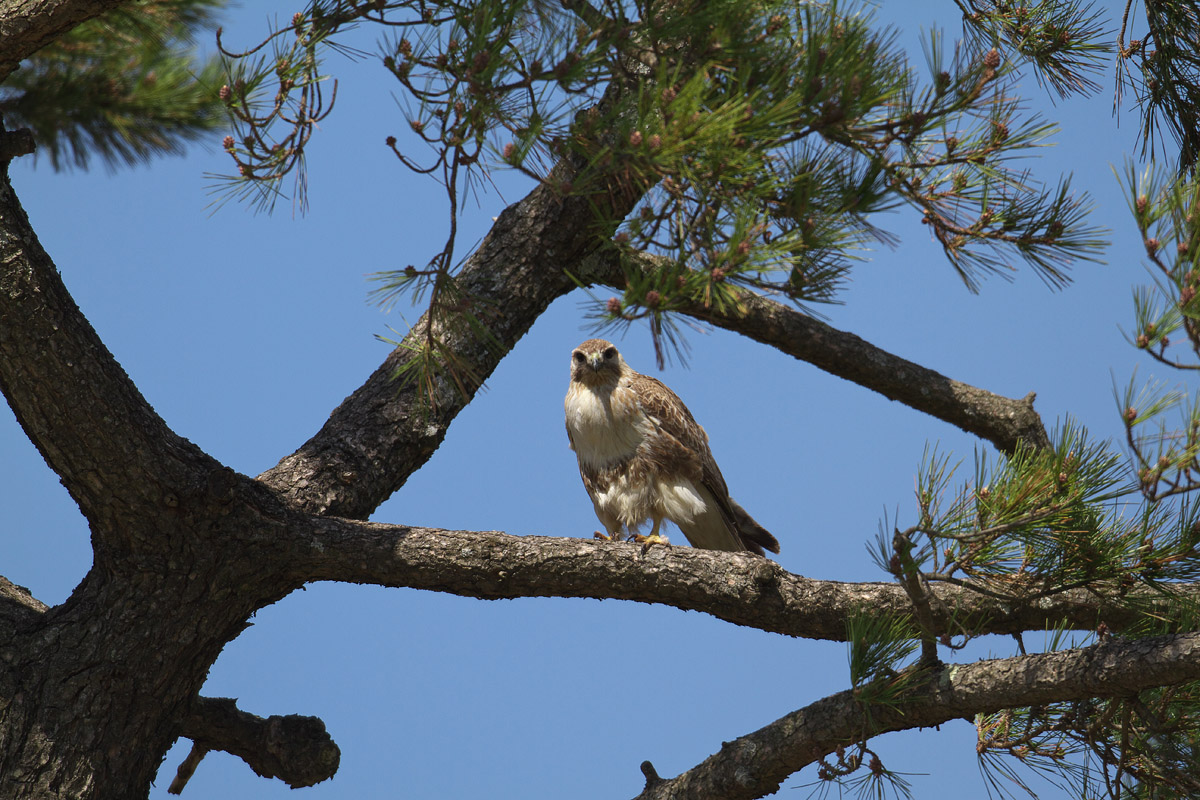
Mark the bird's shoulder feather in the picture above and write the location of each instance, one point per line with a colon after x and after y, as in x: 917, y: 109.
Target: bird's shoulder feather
x: 680, y: 439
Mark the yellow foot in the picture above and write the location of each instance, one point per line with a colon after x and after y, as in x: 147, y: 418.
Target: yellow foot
x: 649, y: 541
x: 605, y: 537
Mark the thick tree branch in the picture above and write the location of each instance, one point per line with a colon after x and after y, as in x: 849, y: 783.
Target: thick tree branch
x: 76, y: 404
x: 295, y: 749
x: 739, y: 588
x: 30, y: 25
x: 1001, y: 420
x: 757, y: 764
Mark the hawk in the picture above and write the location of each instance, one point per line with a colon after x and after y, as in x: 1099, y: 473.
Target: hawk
x: 643, y: 457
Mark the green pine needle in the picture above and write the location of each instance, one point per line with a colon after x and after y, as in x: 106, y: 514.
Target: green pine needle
x: 123, y: 87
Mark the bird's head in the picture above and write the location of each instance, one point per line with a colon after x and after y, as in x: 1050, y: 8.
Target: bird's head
x: 596, y: 362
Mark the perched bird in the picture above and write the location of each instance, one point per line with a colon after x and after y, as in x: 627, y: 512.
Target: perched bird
x: 643, y: 457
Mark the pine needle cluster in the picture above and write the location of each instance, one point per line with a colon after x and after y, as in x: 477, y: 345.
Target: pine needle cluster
x: 762, y: 141
x: 124, y: 87
x: 1161, y: 68
x: 1078, y: 516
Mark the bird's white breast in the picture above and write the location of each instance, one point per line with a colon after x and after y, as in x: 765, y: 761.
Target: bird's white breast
x: 604, y: 425
x: 607, y: 426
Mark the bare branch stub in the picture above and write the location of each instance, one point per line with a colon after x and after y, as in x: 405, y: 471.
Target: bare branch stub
x: 294, y: 748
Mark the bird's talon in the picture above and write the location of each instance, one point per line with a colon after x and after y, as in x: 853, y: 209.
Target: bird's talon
x: 604, y: 536
x: 649, y: 541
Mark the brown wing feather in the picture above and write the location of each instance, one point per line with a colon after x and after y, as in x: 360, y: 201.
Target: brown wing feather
x: 683, y: 444
x: 683, y: 447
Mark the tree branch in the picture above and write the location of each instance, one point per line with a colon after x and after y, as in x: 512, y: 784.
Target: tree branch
x: 740, y: 588
x: 27, y: 27
x: 1000, y: 420
x: 756, y: 764
x: 293, y: 748
x: 71, y: 397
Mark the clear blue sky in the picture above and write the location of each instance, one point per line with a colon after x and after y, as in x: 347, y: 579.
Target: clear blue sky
x: 244, y: 331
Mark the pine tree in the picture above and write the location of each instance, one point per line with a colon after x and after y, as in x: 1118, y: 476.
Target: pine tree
x: 725, y: 161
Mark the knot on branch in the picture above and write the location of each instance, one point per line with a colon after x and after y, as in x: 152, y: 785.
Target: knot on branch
x: 220, y: 484
x: 767, y: 574
x: 294, y: 748
x: 652, y: 778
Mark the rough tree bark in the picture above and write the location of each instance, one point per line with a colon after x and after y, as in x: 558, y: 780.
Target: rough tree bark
x: 94, y: 691
x: 129, y: 650
x: 28, y: 26
x: 186, y: 550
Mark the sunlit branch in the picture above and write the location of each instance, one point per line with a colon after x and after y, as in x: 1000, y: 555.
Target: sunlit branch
x: 743, y: 589
x: 756, y: 764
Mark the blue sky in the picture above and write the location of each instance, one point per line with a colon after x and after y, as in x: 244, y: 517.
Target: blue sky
x: 244, y: 331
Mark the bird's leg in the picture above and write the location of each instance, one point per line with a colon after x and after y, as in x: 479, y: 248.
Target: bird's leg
x: 654, y: 538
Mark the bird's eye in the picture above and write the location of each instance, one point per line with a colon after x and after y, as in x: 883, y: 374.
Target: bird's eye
x: 578, y: 356
x: 610, y: 353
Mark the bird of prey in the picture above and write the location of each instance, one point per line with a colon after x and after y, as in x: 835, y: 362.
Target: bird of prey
x: 643, y: 457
